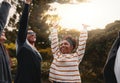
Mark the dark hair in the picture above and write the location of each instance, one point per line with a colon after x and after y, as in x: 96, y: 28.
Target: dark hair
x: 71, y: 40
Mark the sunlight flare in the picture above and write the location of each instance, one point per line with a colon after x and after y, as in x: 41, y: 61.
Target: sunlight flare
x: 72, y: 16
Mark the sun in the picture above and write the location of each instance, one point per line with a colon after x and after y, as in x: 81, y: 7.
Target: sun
x: 72, y: 16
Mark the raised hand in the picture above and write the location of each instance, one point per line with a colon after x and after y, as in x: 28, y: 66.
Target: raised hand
x: 85, y: 26
x: 55, y: 25
x: 28, y: 1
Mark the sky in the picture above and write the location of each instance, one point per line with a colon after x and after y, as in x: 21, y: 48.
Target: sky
x: 96, y: 13
x: 107, y: 11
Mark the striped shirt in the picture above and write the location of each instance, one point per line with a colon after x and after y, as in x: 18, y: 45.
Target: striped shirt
x: 65, y: 67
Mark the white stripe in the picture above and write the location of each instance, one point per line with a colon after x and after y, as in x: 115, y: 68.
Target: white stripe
x: 76, y: 81
x: 82, y: 42
x: 65, y: 77
x: 81, y: 46
x: 64, y: 73
x: 80, y: 51
x: 53, y: 36
x: 54, y: 48
x: 83, y: 34
x: 64, y: 68
x: 68, y: 58
x: 54, y: 41
x: 54, y: 44
x: 64, y: 61
x: 82, y: 39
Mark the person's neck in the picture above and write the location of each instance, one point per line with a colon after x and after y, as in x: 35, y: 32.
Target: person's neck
x: 33, y: 44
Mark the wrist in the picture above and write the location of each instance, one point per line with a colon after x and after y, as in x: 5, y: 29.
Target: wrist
x: 28, y: 1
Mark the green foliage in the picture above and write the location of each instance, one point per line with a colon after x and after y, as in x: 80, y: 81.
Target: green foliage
x: 46, y: 54
x: 11, y: 49
x: 97, y: 49
x: 13, y: 66
x: 98, y: 44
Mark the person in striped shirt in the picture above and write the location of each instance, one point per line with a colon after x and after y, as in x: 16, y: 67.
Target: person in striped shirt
x: 65, y: 65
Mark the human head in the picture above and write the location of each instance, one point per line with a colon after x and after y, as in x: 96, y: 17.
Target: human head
x: 31, y: 36
x: 3, y: 37
x: 67, y: 45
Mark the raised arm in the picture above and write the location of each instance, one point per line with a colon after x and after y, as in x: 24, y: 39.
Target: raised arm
x: 4, y: 11
x: 82, y: 44
x: 54, y: 41
x: 22, y: 31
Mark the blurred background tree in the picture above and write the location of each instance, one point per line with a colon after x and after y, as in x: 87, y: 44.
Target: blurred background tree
x: 98, y: 44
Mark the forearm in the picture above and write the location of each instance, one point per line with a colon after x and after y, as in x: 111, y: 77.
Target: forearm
x: 22, y: 32
x: 54, y: 41
x: 82, y: 43
x: 4, y: 11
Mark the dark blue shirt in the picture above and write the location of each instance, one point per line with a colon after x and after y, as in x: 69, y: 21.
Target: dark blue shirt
x: 29, y: 59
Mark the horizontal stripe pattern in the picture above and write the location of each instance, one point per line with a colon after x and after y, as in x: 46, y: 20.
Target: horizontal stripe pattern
x: 59, y: 80
x: 54, y: 42
x: 64, y: 72
x: 64, y: 67
x: 82, y: 44
x: 64, y: 77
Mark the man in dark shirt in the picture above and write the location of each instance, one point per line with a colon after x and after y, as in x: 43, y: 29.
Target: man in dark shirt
x: 110, y: 74
x: 5, y: 72
x: 29, y: 59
